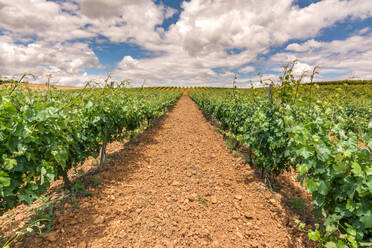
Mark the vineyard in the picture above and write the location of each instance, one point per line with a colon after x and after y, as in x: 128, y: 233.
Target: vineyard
x: 320, y: 132
x: 44, y: 134
x: 324, y: 133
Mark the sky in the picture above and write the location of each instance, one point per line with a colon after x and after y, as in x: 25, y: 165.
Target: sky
x: 184, y: 43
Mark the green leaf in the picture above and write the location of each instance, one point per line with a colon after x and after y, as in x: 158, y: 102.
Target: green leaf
x: 314, y: 235
x: 356, y: 169
x: 9, y: 163
x: 323, y: 188
x: 331, y: 244
x: 304, y: 152
x: 42, y: 173
x: 311, y: 184
x: 4, y: 179
x: 301, y: 168
x: 367, y: 220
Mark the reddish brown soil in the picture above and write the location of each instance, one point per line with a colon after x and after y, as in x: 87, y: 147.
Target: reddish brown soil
x: 180, y: 186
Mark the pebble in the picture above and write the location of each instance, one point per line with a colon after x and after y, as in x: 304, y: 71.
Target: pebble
x: 238, y: 197
x: 239, y: 234
x: 52, y: 236
x: 216, y: 244
x: 248, y: 215
x: 170, y: 244
x: 236, y: 216
x: 99, y: 220
x: 273, y: 201
x: 193, y: 197
x: 82, y: 244
x: 214, y: 199
x: 175, y: 183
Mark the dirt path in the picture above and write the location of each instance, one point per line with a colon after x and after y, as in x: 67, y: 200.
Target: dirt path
x: 179, y: 187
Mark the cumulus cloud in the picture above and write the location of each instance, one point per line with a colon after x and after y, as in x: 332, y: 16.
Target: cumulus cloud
x: 196, y: 45
x: 62, y: 60
x: 46, y: 36
x: 308, y: 45
x: 350, y: 56
x: 247, y: 69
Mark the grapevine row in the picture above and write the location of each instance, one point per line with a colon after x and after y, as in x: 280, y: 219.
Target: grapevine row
x: 44, y: 134
x: 319, y: 138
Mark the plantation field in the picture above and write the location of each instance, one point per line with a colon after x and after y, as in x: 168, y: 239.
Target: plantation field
x: 292, y: 167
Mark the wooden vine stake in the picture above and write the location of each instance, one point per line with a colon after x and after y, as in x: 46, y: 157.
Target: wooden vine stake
x: 270, y: 92
x: 103, y: 154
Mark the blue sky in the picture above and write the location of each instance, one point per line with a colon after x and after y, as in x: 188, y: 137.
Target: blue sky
x: 173, y: 42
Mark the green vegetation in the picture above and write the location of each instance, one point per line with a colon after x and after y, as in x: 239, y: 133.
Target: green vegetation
x: 45, y: 133
x: 298, y: 204
x: 324, y: 132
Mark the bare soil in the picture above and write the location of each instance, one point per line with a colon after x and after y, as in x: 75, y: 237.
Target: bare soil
x: 180, y: 186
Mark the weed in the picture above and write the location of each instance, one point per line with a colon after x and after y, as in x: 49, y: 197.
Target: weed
x: 203, y: 201
x: 298, y: 204
x: 236, y: 154
x: 275, y: 187
x: 300, y: 224
x: 230, y: 143
x: 95, y: 180
x: 78, y: 189
x: 28, y: 230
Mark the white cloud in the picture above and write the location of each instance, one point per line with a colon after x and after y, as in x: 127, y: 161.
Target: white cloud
x: 40, y: 58
x: 198, y: 42
x: 350, y: 56
x: 191, y: 50
x: 310, y: 44
x: 247, y: 69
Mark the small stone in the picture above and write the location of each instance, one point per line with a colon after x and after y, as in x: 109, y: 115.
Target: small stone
x: 239, y: 234
x: 175, y: 183
x: 237, y: 206
x: 186, y: 207
x: 82, y: 244
x: 248, y: 215
x: 99, y: 220
x: 193, y: 197
x: 273, y: 201
x: 186, y: 201
x: 278, y: 196
x: 52, y: 236
x: 170, y: 244
x: 215, y: 244
x: 214, y: 199
x: 236, y: 216
x: 238, y: 197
